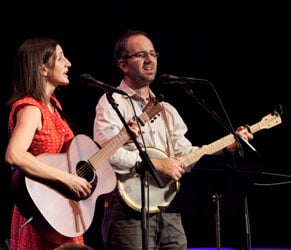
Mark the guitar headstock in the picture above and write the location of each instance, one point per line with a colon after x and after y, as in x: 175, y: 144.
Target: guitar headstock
x: 152, y: 108
x: 271, y: 120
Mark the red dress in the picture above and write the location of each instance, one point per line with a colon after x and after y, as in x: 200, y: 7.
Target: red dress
x: 54, y: 137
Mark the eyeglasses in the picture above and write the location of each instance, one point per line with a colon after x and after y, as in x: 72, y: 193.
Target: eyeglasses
x: 143, y: 54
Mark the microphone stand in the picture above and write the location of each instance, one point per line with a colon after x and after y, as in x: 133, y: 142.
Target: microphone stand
x: 7, y: 241
x: 217, y: 197
x: 214, y: 115
x: 141, y: 167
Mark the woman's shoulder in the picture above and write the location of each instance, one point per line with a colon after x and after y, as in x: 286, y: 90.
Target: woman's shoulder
x: 27, y: 100
x: 21, y: 103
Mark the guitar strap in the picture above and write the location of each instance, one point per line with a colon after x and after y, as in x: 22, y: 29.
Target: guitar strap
x: 169, y: 140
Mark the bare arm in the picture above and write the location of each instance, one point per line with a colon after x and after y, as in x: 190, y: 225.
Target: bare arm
x: 28, y: 122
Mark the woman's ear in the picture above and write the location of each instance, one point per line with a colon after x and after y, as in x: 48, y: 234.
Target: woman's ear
x: 43, y: 70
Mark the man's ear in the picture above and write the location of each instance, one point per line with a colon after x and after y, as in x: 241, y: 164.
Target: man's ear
x: 122, y: 65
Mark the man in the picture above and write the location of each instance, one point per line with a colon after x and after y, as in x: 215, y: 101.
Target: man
x: 136, y: 58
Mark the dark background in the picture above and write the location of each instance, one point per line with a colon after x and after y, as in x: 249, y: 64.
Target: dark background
x: 242, y: 49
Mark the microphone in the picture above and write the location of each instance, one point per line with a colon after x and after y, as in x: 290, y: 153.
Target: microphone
x: 181, y: 80
x: 91, y: 81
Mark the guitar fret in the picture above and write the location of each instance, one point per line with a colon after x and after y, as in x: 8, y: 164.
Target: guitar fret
x: 102, y: 155
x: 99, y: 158
x: 214, y: 147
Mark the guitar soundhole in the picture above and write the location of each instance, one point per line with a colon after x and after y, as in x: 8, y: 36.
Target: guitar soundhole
x: 85, y: 169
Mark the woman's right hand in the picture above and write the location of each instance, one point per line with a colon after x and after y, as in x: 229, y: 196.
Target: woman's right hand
x: 79, y: 187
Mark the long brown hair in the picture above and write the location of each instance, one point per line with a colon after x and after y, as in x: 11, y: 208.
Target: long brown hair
x: 27, y: 79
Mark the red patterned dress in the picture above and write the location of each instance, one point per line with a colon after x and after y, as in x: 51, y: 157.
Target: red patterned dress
x: 54, y: 137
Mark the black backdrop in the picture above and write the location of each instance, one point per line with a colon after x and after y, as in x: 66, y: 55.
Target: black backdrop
x: 243, y: 50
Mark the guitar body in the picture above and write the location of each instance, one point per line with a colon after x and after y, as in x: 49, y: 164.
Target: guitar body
x: 56, y: 215
x: 130, y: 188
x: 68, y: 217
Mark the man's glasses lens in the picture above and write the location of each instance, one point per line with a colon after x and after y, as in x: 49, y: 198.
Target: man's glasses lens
x: 143, y: 54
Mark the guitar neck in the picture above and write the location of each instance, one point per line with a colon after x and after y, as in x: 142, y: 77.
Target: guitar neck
x: 212, y: 148
x: 101, y: 156
x: 266, y: 122
x: 257, y: 127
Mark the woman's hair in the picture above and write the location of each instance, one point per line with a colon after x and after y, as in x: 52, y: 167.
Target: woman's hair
x: 27, y: 78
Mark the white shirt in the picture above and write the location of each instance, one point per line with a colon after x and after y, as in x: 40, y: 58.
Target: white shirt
x: 107, y: 124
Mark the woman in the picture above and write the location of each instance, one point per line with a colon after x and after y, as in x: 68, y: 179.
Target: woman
x: 37, y: 127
